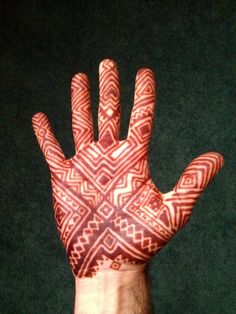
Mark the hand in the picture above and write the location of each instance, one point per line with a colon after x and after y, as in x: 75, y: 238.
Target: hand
x: 109, y: 213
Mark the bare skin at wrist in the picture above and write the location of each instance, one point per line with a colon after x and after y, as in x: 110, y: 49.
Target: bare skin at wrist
x: 113, y: 292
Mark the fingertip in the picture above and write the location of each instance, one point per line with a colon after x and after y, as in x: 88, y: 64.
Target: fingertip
x: 37, y: 115
x: 218, y: 158
x: 145, y: 77
x: 46, y: 139
x: 145, y: 71
x: 80, y: 81
x: 108, y: 64
x: 40, y: 120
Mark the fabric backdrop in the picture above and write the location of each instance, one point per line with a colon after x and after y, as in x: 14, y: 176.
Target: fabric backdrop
x: 190, y: 46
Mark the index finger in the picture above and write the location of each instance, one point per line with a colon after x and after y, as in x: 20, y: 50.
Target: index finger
x: 141, y: 120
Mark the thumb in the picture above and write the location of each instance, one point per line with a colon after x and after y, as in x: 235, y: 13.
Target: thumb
x: 193, y: 181
x: 47, y: 141
x: 199, y: 173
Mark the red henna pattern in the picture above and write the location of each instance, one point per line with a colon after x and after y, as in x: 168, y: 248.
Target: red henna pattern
x: 108, y: 211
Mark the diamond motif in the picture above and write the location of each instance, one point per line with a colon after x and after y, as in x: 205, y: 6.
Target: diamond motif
x: 106, y: 210
x: 104, y: 179
x: 109, y: 241
x: 115, y: 265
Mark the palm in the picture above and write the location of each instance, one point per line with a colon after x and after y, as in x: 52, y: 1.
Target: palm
x: 108, y: 211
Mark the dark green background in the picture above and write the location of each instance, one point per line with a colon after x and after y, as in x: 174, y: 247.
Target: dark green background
x: 190, y: 48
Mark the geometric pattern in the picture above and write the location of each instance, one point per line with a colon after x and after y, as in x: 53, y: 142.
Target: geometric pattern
x: 108, y: 212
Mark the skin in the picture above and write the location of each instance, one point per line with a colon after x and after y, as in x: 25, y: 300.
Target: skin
x: 113, y: 292
x: 110, y: 216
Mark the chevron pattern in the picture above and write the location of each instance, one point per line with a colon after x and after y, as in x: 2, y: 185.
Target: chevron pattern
x: 108, y: 212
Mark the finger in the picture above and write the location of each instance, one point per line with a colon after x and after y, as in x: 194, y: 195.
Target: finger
x: 140, y: 126
x: 194, y: 180
x: 199, y: 173
x: 47, y: 141
x: 109, y: 102
x: 81, y: 113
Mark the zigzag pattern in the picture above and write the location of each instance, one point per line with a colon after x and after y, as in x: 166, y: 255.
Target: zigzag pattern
x: 109, y: 213
x: 81, y: 112
x: 192, y: 182
x: 109, y: 102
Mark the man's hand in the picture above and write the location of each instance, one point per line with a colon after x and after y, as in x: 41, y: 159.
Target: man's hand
x: 108, y: 211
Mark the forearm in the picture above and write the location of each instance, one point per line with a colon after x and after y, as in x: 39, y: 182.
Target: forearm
x: 113, y: 292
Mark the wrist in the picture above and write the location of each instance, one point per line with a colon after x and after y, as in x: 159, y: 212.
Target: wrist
x: 113, y: 292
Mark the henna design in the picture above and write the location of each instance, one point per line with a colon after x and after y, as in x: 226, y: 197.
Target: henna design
x: 109, y: 213
x: 81, y: 114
